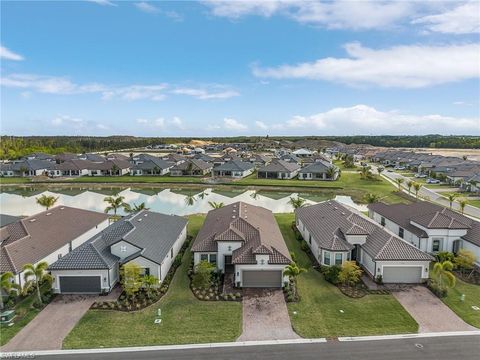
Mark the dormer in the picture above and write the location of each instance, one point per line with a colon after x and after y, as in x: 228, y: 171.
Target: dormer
x: 356, y: 235
x: 262, y: 254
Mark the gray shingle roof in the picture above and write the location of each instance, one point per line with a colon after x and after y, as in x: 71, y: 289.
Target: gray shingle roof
x: 329, y: 223
x: 196, y: 164
x: 280, y: 166
x: 235, y: 165
x: 318, y: 167
x: 8, y: 219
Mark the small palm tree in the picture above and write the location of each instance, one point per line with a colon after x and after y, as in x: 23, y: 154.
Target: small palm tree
x: 115, y: 203
x: 149, y: 282
x: 331, y: 171
x: 202, y: 194
x: 297, y: 202
x: 34, y: 275
x: 399, y: 182
x: 416, y: 187
x: 215, y: 205
x: 409, y: 185
x: 451, y: 198
x: 254, y: 195
x: 114, y: 169
x: 462, y: 203
x: 136, y: 208
x: 442, y: 274
x: 190, y: 200
x: 293, y: 271
x: 371, y: 198
x: 47, y: 201
x: 365, y: 172
x: 7, y: 285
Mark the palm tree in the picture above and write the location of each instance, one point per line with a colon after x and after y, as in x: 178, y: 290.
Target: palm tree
x: 215, y: 205
x: 297, y: 202
x: 416, y: 187
x: 202, y: 195
x: 399, y: 182
x: 190, y: 200
x: 331, y: 172
x: 293, y: 271
x: 365, y: 172
x: 136, y: 208
x: 409, y: 185
x: 47, y: 201
x: 442, y: 274
x: 114, y: 169
x: 254, y: 195
x: 116, y: 203
x: 34, y: 275
x: 451, y: 198
x: 371, y: 198
x: 7, y: 285
x: 462, y: 203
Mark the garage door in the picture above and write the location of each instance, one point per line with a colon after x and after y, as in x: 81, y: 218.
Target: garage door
x: 262, y: 278
x: 402, y: 274
x: 80, y: 284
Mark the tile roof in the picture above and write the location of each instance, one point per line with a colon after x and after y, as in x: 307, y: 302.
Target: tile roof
x: 318, y: 167
x: 330, y: 223
x: 35, y: 237
x: 194, y: 163
x: 235, y: 165
x: 280, y: 166
x: 255, y: 226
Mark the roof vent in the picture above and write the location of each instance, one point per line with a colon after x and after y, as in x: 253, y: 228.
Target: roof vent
x: 343, y: 213
x: 145, y: 215
x: 233, y: 217
x: 139, y: 220
x: 62, y: 208
x: 49, y: 213
x: 335, y: 208
x: 32, y: 220
x: 246, y: 216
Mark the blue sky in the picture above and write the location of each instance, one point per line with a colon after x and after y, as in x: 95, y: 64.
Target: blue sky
x: 217, y: 68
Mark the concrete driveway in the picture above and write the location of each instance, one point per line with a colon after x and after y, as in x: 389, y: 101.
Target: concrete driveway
x: 48, y: 329
x: 431, y: 314
x: 265, y: 316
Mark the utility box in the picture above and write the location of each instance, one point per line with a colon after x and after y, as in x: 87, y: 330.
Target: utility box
x: 7, y: 316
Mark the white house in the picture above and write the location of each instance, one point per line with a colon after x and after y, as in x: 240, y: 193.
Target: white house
x: 245, y: 243
x: 336, y: 234
x: 234, y: 169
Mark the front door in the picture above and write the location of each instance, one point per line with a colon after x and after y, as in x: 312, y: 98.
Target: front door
x: 229, y: 268
x: 354, y: 254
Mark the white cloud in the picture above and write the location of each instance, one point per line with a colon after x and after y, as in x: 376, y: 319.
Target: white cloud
x: 261, y: 125
x: 204, y: 94
x: 363, y: 119
x: 178, y: 123
x: 69, y: 123
x: 49, y: 84
x: 142, y: 121
x: 146, y: 7
x: 9, y: 54
x: 232, y: 124
x: 408, y: 66
x: 463, y: 19
x: 103, y: 2
x: 68, y: 120
x: 162, y: 123
x: 136, y: 92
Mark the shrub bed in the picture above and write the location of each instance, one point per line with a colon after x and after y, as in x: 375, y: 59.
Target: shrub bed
x: 289, y: 291
x: 440, y: 291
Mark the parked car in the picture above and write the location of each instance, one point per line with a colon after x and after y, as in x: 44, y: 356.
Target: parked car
x: 399, y: 167
x: 421, y: 176
x: 433, y: 181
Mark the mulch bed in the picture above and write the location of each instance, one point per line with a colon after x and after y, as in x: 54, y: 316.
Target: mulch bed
x: 469, y: 277
x: 356, y: 292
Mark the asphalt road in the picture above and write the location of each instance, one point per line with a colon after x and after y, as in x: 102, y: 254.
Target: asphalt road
x: 438, y: 348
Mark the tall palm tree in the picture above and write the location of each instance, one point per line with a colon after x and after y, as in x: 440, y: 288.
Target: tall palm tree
x: 409, y: 185
x: 136, y: 208
x: 416, y: 186
x: 34, y: 275
x: 47, y: 201
x: 297, y: 202
x: 442, y: 274
x: 293, y: 271
x: 114, y: 169
x: 190, y: 199
x: 451, y: 198
x: 7, y: 285
x: 365, y: 172
x: 215, y: 205
x: 371, y: 198
x: 115, y: 203
x: 462, y: 203
x: 399, y: 182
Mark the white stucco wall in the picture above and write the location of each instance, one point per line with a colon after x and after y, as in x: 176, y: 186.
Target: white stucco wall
x: 102, y: 273
x: 116, y: 249
x: 240, y: 268
x: 146, y: 263
x: 168, y: 260
x: 223, y: 249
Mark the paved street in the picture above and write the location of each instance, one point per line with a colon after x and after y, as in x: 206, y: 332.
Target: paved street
x: 438, y: 348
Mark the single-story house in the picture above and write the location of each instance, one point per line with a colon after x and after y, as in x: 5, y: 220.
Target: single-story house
x: 259, y: 160
x: 336, y: 234
x: 303, y: 153
x: 204, y: 157
x: 291, y: 158
x: 110, y: 168
x: 151, y: 240
x: 74, y: 167
x: 429, y: 227
x: 234, y: 169
x: 319, y: 170
x: 191, y: 167
x: 175, y: 159
x: 27, y: 168
x: 278, y: 169
x: 244, y: 242
x: 46, y: 236
x: 91, y: 157
x: 144, y: 164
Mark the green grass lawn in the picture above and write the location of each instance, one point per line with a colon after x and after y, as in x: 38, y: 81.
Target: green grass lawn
x: 318, y: 312
x: 166, y: 179
x: 14, y: 180
x: 184, y: 318
x: 464, y: 308
x: 474, y: 203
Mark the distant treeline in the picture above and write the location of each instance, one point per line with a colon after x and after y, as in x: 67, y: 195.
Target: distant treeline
x: 12, y: 147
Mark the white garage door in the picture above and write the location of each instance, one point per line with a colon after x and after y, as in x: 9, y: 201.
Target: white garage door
x: 402, y: 274
x: 257, y: 278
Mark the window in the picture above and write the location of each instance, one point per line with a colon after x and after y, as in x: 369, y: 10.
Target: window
x: 59, y: 256
x: 213, y: 258
x: 326, y: 258
x: 146, y: 271
x: 203, y: 257
x: 310, y: 239
x: 70, y: 246
x: 382, y: 221
x: 229, y: 248
x: 338, y: 259
x: 400, y: 232
x: 436, y: 245
x: 123, y: 248
x: 171, y: 252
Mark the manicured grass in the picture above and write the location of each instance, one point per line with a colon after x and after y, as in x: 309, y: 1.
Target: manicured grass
x: 14, y: 180
x: 464, y: 308
x: 137, y: 179
x: 184, y: 318
x: 339, y: 164
x: 474, y: 203
x: 318, y: 312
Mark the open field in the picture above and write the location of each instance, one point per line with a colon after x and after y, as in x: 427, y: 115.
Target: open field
x: 184, y: 318
x: 318, y: 314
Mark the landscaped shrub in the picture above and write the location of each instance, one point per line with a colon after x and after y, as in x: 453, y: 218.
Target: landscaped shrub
x: 305, y: 246
x: 440, y: 291
x: 445, y: 256
x: 331, y: 274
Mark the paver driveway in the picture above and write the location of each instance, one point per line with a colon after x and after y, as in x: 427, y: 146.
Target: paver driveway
x: 431, y: 314
x: 48, y: 329
x: 265, y: 316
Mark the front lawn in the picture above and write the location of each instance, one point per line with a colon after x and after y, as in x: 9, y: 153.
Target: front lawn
x: 14, y: 180
x: 184, y: 318
x: 165, y: 179
x: 318, y: 313
x: 464, y: 308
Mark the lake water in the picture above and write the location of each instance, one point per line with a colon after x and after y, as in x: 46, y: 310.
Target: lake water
x: 21, y: 201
